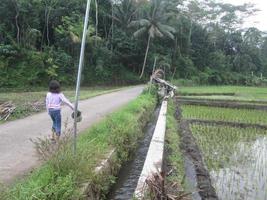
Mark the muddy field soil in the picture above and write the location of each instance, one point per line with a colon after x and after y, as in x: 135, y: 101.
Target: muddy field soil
x: 224, y: 123
x: 207, y: 94
x: 236, y: 101
x: 220, y: 103
x: 192, y: 152
x: 194, y: 161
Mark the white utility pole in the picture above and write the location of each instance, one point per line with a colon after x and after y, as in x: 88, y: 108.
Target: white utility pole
x: 77, y: 94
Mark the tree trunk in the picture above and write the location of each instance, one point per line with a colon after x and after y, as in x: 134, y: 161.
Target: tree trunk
x: 96, y: 21
x: 174, y: 72
x: 189, y: 37
x: 144, y: 64
x: 47, y: 26
x: 112, y: 25
x: 176, y: 51
x: 16, y: 21
x: 17, y: 25
x: 44, y: 28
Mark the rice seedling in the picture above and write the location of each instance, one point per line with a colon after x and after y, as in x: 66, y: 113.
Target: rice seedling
x: 225, y: 114
x: 240, y: 93
x: 236, y: 159
x: 238, y: 99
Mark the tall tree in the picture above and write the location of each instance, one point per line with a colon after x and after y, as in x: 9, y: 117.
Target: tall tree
x: 153, y: 26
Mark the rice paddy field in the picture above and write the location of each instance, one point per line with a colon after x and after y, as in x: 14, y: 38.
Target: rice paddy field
x: 232, y: 93
x: 232, y: 141
x: 225, y: 114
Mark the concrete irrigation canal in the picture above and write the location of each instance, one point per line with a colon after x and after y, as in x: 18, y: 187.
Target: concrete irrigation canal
x: 130, y: 172
x: 224, y: 158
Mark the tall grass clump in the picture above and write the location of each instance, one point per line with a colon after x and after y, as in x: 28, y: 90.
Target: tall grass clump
x: 63, y: 175
x: 174, y: 155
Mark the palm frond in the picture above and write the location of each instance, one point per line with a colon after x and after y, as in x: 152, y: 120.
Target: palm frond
x: 144, y: 22
x: 138, y: 23
x: 158, y: 33
x: 140, y: 32
x: 168, y: 34
x: 166, y: 28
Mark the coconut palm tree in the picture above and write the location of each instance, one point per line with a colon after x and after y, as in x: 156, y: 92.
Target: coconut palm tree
x: 153, y: 26
x: 124, y: 13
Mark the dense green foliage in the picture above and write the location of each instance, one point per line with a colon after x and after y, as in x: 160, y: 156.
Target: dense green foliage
x: 63, y: 175
x: 198, y: 40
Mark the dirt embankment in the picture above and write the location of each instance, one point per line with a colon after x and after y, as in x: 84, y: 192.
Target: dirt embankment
x: 222, y: 100
x: 220, y: 103
x: 191, y: 150
x: 207, y: 94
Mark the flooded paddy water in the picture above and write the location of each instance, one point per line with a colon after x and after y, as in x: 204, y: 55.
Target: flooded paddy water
x: 236, y: 159
x: 245, y: 176
x: 231, y: 144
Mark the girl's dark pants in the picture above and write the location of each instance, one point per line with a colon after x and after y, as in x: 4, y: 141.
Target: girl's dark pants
x: 56, y: 118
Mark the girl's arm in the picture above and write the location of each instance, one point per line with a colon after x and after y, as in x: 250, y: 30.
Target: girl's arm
x: 47, y: 101
x: 66, y: 101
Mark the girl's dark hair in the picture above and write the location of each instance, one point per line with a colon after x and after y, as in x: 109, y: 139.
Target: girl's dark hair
x: 54, y: 86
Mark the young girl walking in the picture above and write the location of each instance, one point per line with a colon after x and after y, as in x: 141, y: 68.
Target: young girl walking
x: 54, y: 99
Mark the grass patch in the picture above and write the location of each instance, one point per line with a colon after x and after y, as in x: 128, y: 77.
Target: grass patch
x: 225, y: 114
x: 28, y: 103
x: 62, y: 176
x: 174, y: 156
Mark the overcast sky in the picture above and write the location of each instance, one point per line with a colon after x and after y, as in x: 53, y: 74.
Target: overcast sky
x: 260, y: 19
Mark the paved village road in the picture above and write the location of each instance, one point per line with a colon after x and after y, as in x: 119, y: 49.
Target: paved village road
x: 17, y: 153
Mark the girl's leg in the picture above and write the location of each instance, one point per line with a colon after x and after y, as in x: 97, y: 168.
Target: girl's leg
x: 52, y: 115
x: 58, y: 123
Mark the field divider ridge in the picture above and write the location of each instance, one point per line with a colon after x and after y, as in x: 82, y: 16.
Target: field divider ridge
x: 226, y: 123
